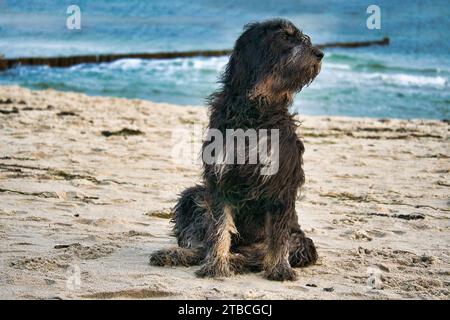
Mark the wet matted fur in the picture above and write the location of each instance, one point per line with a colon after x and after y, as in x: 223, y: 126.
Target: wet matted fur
x: 239, y: 220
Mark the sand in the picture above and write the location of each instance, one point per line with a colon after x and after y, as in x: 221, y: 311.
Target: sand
x: 81, y: 208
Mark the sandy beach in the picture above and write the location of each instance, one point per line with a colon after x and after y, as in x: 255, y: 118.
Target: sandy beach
x: 87, y: 184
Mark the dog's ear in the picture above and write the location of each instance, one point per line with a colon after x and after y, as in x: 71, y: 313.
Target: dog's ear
x: 235, y: 73
x: 245, y: 61
x: 241, y: 72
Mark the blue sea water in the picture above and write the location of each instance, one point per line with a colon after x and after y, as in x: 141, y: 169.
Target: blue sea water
x: 408, y: 79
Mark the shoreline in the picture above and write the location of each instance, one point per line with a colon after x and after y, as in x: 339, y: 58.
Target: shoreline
x: 205, y: 106
x: 84, y: 202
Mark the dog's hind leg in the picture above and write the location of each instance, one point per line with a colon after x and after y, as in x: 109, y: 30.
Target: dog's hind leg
x: 178, y: 257
x: 302, y: 251
x: 189, y: 217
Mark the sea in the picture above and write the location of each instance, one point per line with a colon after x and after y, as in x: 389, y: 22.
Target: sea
x: 410, y: 78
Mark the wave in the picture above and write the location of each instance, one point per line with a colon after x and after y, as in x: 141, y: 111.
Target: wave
x: 410, y: 80
x: 348, y: 67
x: 337, y: 66
x: 215, y: 64
x: 125, y: 64
x: 371, y: 65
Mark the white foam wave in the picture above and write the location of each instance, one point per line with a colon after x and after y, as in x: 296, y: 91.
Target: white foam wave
x: 337, y: 66
x: 169, y: 65
x: 411, y: 80
x: 126, y: 64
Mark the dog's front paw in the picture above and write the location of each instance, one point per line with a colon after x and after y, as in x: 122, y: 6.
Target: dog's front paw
x: 215, y: 270
x: 282, y: 272
x: 302, y: 252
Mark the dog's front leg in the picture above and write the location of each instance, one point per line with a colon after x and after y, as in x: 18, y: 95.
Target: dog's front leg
x: 276, y: 262
x: 221, y: 228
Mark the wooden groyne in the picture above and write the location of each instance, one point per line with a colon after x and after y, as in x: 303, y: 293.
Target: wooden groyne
x: 74, y: 60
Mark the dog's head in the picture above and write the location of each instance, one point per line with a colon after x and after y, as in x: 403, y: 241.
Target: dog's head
x: 272, y: 60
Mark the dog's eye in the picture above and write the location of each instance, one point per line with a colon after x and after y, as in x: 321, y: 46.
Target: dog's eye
x: 306, y: 39
x: 285, y: 36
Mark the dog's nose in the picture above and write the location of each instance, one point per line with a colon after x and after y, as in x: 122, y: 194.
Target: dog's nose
x: 318, y: 53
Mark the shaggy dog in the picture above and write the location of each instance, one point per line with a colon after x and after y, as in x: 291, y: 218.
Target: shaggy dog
x: 239, y: 220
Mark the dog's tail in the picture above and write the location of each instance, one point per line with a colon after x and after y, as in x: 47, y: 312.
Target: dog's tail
x: 190, y: 217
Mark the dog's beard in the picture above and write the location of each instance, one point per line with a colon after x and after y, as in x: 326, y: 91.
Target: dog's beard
x: 302, y: 69
x: 313, y: 72
x: 289, y: 76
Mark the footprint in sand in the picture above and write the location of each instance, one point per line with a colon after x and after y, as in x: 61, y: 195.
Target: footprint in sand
x: 134, y: 233
x: 376, y: 233
x: 102, y: 222
x: 349, y: 221
x: 399, y: 257
x: 357, y: 235
x: 86, y: 252
x: 162, y: 214
x: 38, y: 264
